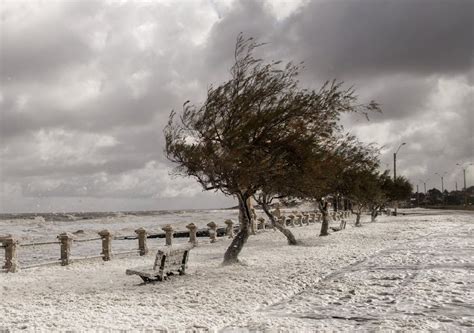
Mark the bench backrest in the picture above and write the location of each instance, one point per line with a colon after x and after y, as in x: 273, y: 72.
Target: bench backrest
x: 172, y: 258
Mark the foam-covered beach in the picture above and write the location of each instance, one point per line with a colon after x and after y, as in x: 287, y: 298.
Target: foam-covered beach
x: 411, y: 272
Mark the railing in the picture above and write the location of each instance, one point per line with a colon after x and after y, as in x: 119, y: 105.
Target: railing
x: 11, y: 245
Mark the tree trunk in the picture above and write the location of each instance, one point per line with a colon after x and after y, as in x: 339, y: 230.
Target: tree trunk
x: 374, y: 214
x: 288, y: 234
x: 323, y: 207
x: 232, y: 253
x: 336, y: 204
x: 358, y: 224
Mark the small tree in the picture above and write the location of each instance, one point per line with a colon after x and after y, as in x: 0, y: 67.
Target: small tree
x: 372, y: 190
x: 252, y: 128
x: 350, y: 173
x: 291, y: 185
x: 362, y: 187
x: 324, y: 169
x: 382, y: 198
x: 265, y: 199
x: 398, y: 190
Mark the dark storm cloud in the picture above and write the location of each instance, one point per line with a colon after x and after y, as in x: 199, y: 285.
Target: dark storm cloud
x: 43, y: 54
x: 375, y: 38
x: 247, y: 17
x: 87, y: 86
x: 48, y: 43
x: 399, y: 96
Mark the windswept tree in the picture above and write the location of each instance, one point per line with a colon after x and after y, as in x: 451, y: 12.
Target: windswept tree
x: 251, y: 129
x: 329, y: 174
x: 363, y: 189
x: 358, y: 177
x: 399, y: 189
x: 382, y: 197
x: 386, y: 190
x: 291, y: 183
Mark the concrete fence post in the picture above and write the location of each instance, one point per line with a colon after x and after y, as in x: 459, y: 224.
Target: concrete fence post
x: 168, y: 229
x: 142, y: 246
x: 299, y: 220
x: 65, y: 251
x: 306, y: 218
x: 281, y: 220
x: 106, y: 244
x: 292, y: 220
x: 192, y: 233
x: 11, y: 262
x: 318, y: 217
x: 229, y: 230
x: 212, y: 231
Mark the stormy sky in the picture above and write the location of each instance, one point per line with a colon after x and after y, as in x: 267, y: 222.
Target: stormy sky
x: 87, y: 86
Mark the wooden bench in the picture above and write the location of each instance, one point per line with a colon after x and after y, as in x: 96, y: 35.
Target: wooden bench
x: 169, y: 260
x: 342, y: 226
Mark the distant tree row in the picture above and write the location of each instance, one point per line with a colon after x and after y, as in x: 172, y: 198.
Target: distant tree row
x: 435, y: 197
x: 259, y: 135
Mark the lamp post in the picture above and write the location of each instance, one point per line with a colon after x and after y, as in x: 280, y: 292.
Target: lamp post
x: 424, y: 183
x: 442, y: 180
x: 424, y: 186
x: 464, y: 176
x: 395, y: 171
x: 464, y: 173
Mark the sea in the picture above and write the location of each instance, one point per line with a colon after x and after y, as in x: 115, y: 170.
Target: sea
x: 33, y: 228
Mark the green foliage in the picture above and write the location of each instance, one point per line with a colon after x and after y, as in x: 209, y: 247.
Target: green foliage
x: 258, y: 130
x: 371, y: 189
x: 398, y: 190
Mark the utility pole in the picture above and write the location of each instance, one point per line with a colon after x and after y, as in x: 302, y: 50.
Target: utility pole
x: 464, y: 174
x: 417, y: 196
x: 442, y: 183
x: 464, y: 178
x: 394, y: 166
x: 424, y: 183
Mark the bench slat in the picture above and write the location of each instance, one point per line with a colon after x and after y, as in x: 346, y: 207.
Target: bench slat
x: 144, y: 271
x: 168, y: 260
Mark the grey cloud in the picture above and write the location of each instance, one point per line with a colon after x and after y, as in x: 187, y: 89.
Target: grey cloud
x: 248, y: 17
x: 399, y: 96
x: 373, y: 38
x: 42, y: 54
x: 142, y: 60
x: 37, y: 47
x: 437, y: 139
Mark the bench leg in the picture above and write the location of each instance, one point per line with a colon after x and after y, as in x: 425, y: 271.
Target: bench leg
x: 182, y: 271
